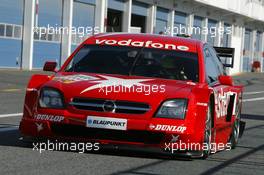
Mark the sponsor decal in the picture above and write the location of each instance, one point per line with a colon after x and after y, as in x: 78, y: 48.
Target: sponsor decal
x: 222, y: 100
x: 74, y: 78
x: 147, y: 44
x: 106, y: 123
x: 191, y: 83
x: 39, y: 126
x: 174, y: 138
x: 202, y: 104
x: 51, y: 118
x: 172, y: 128
x: 32, y: 90
x: 151, y: 126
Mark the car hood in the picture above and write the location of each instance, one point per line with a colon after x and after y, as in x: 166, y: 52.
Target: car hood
x: 119, y: 87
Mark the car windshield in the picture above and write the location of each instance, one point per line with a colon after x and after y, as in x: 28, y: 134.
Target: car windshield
x: 147, y: 62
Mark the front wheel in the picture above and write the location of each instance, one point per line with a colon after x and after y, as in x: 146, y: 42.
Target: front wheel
x: 235, y: 132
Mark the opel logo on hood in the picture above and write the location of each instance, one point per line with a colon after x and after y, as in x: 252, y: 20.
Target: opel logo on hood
x: 109, y: 106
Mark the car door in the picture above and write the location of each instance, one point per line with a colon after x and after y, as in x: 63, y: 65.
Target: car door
x: 213, y: 70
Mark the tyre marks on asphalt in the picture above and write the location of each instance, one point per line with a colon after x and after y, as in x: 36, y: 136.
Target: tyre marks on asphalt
x: 249, y: 82
x: 7, y: 129
x: 253, y: 99
x: 251, y: 94
x: 11, y: 115
x: 11, y: 90
x: 232, y: 160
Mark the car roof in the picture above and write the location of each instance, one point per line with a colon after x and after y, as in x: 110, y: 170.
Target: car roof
x: 143, y: 37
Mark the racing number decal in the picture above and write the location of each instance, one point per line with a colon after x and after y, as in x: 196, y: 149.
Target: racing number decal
x: 222, y: 100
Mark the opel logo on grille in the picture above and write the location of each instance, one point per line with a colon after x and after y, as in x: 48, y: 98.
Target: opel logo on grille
x: 109, y: 106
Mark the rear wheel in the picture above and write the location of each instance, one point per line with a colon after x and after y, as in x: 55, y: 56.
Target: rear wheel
x: 235, y: 132
x: 207, y: 133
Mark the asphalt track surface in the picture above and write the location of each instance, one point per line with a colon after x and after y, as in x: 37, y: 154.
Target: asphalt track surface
x: 17, y: 157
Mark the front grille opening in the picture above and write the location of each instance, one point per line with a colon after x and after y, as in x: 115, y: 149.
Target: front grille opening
x: 120, y: 106
x: 77, y: 131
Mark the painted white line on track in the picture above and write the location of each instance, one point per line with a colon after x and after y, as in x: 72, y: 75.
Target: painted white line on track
x: 253, y: 93
x: 10, y: 115
x: 8, y: 129
x: 253, y: 99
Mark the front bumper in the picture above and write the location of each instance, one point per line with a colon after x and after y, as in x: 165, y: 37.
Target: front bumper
x: 138, y: 138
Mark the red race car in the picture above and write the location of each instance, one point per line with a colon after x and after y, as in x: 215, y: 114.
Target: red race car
x: 145, y: 91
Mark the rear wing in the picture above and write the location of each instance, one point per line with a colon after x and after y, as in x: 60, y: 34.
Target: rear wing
x: 226, y: 55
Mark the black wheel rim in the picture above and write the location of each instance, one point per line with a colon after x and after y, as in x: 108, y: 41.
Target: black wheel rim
x: 208, y: 132
x: 236, y: 128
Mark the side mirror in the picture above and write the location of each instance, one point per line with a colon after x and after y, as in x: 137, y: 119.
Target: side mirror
x: 225, y: 80
x: 50, y: 66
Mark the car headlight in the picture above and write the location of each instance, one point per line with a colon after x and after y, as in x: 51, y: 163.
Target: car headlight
x: 51, y: 98
x: 174, y: 109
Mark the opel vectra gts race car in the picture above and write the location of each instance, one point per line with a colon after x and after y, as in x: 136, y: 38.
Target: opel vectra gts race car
x: 139, y: 90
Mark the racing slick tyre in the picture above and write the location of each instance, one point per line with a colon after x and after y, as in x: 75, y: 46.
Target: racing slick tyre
x: 208, y: 133
x: 235, y: 132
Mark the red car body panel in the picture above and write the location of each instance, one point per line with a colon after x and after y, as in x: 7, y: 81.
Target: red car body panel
x: 198, y: 95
